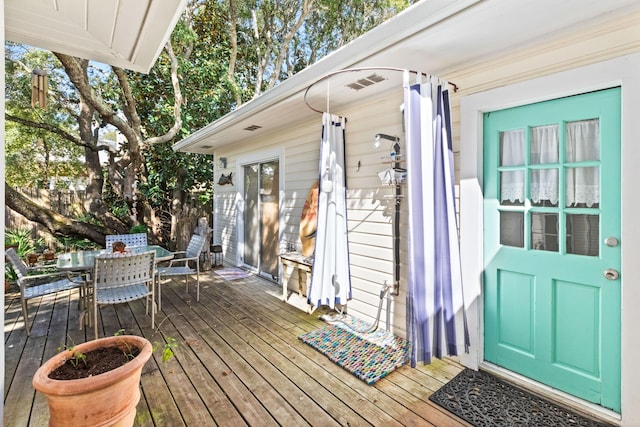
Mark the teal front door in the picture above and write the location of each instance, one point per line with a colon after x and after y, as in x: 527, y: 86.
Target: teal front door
x: 552, y: 250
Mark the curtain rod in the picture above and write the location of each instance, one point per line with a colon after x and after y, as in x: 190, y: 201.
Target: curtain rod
x: 347, y: 70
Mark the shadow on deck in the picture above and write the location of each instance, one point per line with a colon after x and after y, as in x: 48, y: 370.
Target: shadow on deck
x: 238, y: 362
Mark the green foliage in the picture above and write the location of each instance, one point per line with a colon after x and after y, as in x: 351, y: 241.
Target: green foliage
x: 76, y: 356
x: 71, y: 244
x: 167, y: 348
x: 139, y: 228
x: 24, y: 243
x: 33, y: 155
x: 23, y: 240
x: 202, y: 43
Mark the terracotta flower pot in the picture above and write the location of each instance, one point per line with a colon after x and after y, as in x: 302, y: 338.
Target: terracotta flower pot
x: 118, y: 247
x: 108, y: 399
x: 32, y: 258
x: 48, y: 255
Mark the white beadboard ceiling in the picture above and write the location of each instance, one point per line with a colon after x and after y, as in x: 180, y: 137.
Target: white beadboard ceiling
x: 434, y: 36
x: 125, y: 33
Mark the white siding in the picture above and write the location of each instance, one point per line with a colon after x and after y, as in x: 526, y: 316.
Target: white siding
x: 369, y: 210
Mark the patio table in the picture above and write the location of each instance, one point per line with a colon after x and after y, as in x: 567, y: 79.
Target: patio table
x: 83, y: 260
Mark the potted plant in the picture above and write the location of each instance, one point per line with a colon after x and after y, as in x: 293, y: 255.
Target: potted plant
x: 32, y: 259
x: 108, y: 398
x: 48, y: 254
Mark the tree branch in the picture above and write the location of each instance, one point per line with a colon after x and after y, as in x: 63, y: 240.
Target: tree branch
x: 48, y: 127
x: 177, y: 103
x: 78, y: 76
x: 129, y: 103
x: 284, y: 47
x: 55, y: 223
x: 233, y: 55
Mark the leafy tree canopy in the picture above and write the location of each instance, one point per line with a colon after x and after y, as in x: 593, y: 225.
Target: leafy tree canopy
x: 115, y: 128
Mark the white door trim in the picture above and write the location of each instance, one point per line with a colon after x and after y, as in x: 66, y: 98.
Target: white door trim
x: 617, y: 72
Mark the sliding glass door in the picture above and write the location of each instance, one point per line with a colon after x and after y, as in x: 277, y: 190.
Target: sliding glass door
x: 262, y: 217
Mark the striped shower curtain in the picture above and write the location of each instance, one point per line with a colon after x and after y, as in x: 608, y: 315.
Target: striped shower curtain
x: 436, y: 323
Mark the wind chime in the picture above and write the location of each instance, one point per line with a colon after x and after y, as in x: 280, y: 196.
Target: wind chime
x: 39, y: 88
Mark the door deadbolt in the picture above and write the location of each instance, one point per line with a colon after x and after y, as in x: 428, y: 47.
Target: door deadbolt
x: 611, y: 242
x: 611, y: 274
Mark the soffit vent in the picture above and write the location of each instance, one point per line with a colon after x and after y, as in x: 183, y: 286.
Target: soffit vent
x: 365, y: 82
x: 252, y: 128
x: 206, y: 146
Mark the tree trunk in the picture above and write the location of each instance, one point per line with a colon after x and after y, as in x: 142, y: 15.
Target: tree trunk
x: 55, y: 223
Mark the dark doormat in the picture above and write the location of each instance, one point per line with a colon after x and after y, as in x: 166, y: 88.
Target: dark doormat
x: 484, y: 400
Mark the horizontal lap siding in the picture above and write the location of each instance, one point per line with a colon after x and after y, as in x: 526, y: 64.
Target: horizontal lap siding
x: 370, y: 211
x: 301, y: 148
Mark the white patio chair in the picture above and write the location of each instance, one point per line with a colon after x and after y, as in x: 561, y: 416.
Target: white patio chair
x: 120, y: 278
x: 38, y: 285
x: 180, y: 266
x: 130, y: 240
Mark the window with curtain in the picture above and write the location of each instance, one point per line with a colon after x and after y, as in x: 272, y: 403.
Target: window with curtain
x: 557, y: 166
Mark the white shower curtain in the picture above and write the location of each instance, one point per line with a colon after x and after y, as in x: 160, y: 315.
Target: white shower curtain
x: 330, y: 279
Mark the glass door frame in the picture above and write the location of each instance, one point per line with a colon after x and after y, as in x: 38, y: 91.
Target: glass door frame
x: 276, y: 154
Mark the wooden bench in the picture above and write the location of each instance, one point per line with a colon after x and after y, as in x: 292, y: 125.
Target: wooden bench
x: 290, y: 262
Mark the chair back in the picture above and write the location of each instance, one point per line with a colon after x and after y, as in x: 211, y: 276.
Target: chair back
x: 196, y: 244
x: 18, y: 265
x: 133, y: 239
x: 119, y: 270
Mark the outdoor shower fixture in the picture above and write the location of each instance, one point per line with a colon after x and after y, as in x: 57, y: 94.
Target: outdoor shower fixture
x: 380, y: 136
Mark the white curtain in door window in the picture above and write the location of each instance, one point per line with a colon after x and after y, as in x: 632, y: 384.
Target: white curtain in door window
x: 583, y: 144
x: 543, y: 183
x: 582, y: 183
x: 512, y: 153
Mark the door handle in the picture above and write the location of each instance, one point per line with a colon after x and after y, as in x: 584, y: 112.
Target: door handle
x: 611, y: 274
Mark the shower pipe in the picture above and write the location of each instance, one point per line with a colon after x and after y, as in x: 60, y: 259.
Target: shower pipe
x: 348, y: 70
x: 386, y: 287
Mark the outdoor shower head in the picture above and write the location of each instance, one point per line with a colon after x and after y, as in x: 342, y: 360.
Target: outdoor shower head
x: 380, y: 136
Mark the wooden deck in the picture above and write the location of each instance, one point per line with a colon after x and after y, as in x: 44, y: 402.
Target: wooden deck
x: 239, y: 362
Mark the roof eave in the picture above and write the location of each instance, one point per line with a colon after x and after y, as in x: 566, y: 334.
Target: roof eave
x: 417, y: 18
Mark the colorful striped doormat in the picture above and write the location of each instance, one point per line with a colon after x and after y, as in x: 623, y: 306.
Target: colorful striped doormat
x: 369, y: 357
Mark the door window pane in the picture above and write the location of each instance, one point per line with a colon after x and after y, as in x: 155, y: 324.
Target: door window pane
x: 583, y: 141
x: 512, y: 229
x: 543, y: 187
x: 270, y: 217
x: 251, y: 216
x: 582, y: 234
x: 544, y: 145
x: 512, y: 187
x: 512, y: 148
x: 544, y: 231
x: 583, y: 187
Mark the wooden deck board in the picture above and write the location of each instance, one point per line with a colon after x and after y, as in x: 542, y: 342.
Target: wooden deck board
x: 238, y: 362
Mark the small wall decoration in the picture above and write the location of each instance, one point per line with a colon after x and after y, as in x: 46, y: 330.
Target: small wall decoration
x: 225, y: 179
